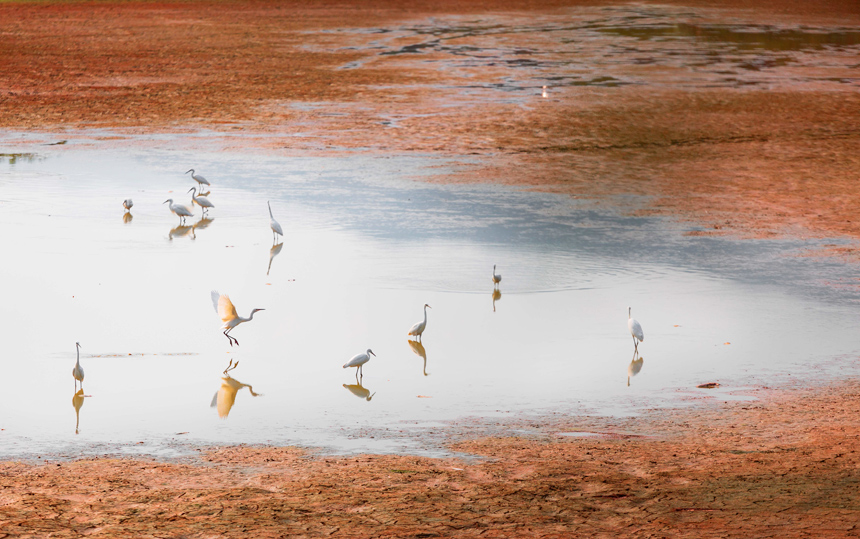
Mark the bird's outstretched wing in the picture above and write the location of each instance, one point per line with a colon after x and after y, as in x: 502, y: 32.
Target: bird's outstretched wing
x: 223, y: 306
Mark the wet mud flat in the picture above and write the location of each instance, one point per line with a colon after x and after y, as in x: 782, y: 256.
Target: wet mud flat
x: 741, y: 118
x: 783, y: 466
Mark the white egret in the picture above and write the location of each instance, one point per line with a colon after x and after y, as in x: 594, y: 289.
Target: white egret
x: 225, y: 309
x: 201, y: 201
x: 418, y: 328
x: 358, y: 361
x: 198, y: 178
x: 78, y: 371
x: 274, y: 225
x: 635, y: 330
x: 127, y: 204
x: 497, y: 278
x: 179, y: 210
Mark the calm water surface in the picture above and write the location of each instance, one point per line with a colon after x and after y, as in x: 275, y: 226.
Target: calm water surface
x: 365, y: 246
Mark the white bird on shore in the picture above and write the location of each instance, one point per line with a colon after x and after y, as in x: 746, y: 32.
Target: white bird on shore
x: 358, y: 361
x: 201, y: 201
x: 227, y: 312
x: 274, y: 225
x: 78, y: 371
x: 635, y: 330
x: 497, y: 278
x: 198, y: 178
x: 418, y: 328
x: 179, y: 210
x: 127, y: 204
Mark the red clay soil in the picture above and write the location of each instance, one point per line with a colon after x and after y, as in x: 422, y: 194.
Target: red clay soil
x: 776, y: 158
x: 784, y: 466
x: 761, y: 161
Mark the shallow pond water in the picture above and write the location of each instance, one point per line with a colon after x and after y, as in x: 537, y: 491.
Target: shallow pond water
x: 366, y: 244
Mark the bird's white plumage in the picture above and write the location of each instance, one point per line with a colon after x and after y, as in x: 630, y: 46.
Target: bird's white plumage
x: 359, y: 359
x: 78, y: 371
x: 225, y: 309
x: 227, y: 312
x: 197, y: 178
x: 201, y: 201
x: 127, y: 203
x: 178, y: 209
x: 497, y: 278
x: 635, y: 327
x: 274, y: 225
x: 418, y: 328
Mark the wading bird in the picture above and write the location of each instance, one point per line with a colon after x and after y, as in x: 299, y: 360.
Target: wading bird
x: 497, y: 278
x: 358, y: 361
x: 78, y: 371
x: 201, y: 201
x: 178, y: 209
x: 275, y: 226
x: 225, y: 309
x: 198, y: 178
x: 635, y: 330
x: 418, y: 328
x: 127, y: 204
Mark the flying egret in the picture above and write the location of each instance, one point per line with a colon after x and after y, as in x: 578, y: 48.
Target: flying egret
x: 635, y: 330
x: 178, y: 209
x: 198, y: 178
x: 127, y: 204
x: 78, y: 371
x: 275, y: 226
x: 225, y: 309
x: 418, y: 328
x: 201, y: 201
x: 358, y: 361
x: 497, y: 278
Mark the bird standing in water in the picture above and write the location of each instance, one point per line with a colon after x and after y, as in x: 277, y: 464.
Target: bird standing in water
x: 418, y: 328
x: 127, y: 204
x: 78, y: 371
x: 497, y: 278
x: 198, y: 178
x: 635, y: 330
x: 358, y: 361
x: 201, y: 201
x: 274, y: 225
x: 179, y: 210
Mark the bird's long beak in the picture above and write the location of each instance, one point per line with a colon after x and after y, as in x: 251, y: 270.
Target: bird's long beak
x: 374, y: 355
x: 165, y: 202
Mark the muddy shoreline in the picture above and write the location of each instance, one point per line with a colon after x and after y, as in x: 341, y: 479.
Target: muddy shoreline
x: 774, y: 157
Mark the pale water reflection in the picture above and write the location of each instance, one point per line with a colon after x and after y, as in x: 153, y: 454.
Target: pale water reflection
x: 77, y: 403
x: 225, y: 397
x: 360, y: 267
x: 360, y: 391
x: 418, y: 348
x: 635, y: 366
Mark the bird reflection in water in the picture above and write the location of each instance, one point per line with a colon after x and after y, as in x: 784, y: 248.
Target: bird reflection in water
x: 225, y: 397
x: 77, y: 402
x: 273, y: 252
x: 204, y: 222
x: 497, y: 295
x: 359, y: 391
x: 634, y: 367
x: 181, y: 231
x: 127, y: 217
x: 418, y: 349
